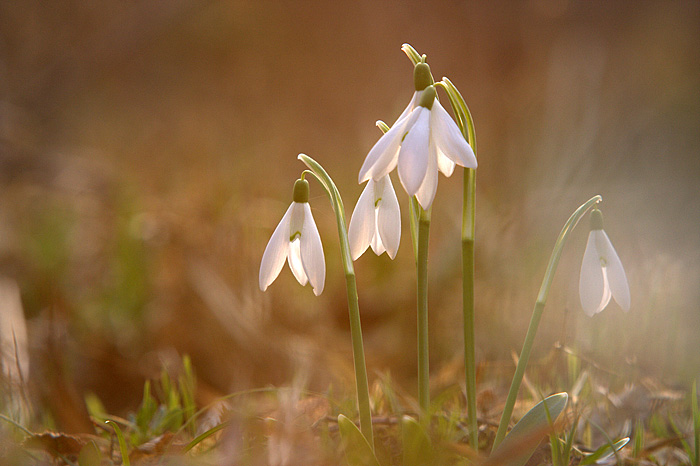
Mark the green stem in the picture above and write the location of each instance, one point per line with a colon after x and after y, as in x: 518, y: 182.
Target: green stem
x: 353, y: 305
x: 466, y: 125
x: 537, y: 316
x: 468, y: 234
x: 422, y: 286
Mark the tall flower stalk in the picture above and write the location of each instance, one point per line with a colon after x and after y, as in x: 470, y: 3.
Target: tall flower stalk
x: 466, y: 126
x: 358, y: 351
x: 537, y: 316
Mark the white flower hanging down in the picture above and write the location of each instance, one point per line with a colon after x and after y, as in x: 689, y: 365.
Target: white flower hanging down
x: 602, y: 275
x: 376, y: 220
x: 297, y: 241
x: 423, y: 140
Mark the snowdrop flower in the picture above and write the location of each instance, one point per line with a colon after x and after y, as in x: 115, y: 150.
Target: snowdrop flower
x: 602, y: 275
x: 423, y: 141
x: 295, y: 239
x: 376, y: 220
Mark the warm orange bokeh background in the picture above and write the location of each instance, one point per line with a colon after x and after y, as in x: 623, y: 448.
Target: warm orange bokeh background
x: 148, y: 149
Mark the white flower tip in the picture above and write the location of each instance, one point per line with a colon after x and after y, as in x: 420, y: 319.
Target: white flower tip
x: 301, y: 156
x: 624, y: 303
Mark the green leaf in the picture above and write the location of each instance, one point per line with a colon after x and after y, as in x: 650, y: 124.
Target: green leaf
x: 522, y: 441
x: 148, y: 409
x: 357, y: 449
x: 604, y: 452
x: 90, y: 455
x: 417, y: 447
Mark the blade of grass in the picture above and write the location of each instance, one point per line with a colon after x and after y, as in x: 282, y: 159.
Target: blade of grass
x: 605, y: 451
x: 204, y: 435
x: 122, y: 442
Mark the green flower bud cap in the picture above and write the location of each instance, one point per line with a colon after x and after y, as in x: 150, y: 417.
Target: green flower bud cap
x: 301, y: 191
x: 422, y: 77
x: 596, y: 220
x: 428, y: 97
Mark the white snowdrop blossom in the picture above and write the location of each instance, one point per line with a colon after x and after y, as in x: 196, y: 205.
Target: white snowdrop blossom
x: 297, y: 241
x: 602, y: 275
x: 423, y: 141
x: 376, y: 220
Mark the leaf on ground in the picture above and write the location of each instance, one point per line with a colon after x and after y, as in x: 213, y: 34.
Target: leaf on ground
x: 523, y: 439
x: 59, y: 444
x: 417, y: 448
x: 357, y: 450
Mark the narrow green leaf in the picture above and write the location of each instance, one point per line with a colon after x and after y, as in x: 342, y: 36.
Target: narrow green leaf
x: 358, y: 452
x: 147, y: 410
x: 204, y: 435
x: 122, y: 442
x: 417, y: 447
x: 522, y: 441
x: 604, y: 452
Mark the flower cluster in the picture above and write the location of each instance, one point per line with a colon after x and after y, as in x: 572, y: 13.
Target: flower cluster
x: 423, y: 141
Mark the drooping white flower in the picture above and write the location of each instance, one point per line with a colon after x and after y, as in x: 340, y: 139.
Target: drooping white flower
x: 602, y: 275
x: 376, y: 220
x: 297, y: 241
x: 423, y: 141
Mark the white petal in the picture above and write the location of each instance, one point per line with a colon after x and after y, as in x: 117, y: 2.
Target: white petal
x: 275, y: 252
x: 296, y: 225
x: 426, y: 192
x: 295, y: 263
x: 616, y: 273
x: 312, y: 252
x: 445, y: 165
x: 591, y: 282
x: 361, y: 226
x: 376, y: 243
x: 411, y: 105
x: 389, y: 219
x: 413, y: 156
x: 449, y: 139
x: 382, y: 158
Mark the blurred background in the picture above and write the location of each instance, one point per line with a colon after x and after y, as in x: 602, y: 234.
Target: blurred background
x: 148, y: 150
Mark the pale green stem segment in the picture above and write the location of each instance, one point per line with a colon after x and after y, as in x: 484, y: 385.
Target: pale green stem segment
x: 353, y: 305
x: 537, y: 315
x: 466, y: 125
x: 422, y: 292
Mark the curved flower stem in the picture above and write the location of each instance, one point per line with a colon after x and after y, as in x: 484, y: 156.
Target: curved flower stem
x: 353, y: 305
x: 537, y: 315
x: 466, y: 125
x: 422, y: 292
